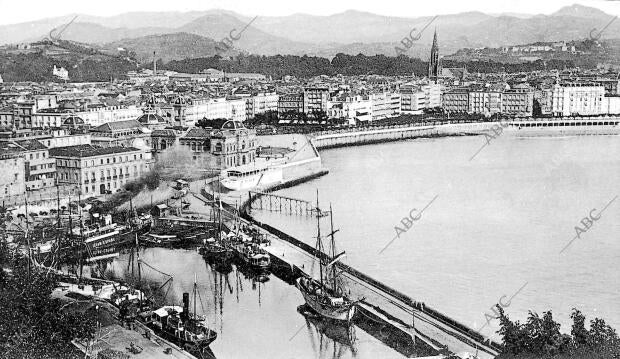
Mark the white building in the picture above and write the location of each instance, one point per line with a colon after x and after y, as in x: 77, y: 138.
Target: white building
x: 432, y: 93
x: 188, y: 111
x: 415, y: 98
x: 577, y: 99
x: 611, y: 105
x: 261, y: 103
x: 385, y: 105
x: 412, y: 100
x: 93, y: 117
x: 351, y: 108
x: 61, y: 73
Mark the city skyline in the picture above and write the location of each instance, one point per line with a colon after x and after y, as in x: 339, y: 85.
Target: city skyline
x: 25, y: 11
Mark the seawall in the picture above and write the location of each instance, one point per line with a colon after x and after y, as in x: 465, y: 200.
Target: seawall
x: 528, y: 127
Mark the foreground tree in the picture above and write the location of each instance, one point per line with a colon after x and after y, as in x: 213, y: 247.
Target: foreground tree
x: 540, y: 337
x: 33, y: 324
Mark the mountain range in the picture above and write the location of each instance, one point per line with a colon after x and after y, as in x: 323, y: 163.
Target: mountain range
x: 177, y: 35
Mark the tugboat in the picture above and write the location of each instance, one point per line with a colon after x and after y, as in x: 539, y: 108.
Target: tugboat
x: 252, y: 255
x: 326, y: 299
x: 188, y: 330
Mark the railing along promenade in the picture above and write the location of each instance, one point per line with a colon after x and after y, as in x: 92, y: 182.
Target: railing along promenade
x: 515, y: 121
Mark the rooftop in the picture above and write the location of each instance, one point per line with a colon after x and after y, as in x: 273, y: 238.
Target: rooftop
x: 198, y: 132
x: 21, y: 146
x: 118, y: 126
x: 88, y: 151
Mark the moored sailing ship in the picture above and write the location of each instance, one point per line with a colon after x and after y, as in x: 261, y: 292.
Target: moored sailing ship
x: 325, y: 296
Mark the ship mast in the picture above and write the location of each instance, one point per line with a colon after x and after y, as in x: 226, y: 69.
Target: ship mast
x: 318, y: 237
x: 333, y: 245
x: 195, y: 290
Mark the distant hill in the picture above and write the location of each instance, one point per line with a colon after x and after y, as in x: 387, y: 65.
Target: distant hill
x: 84, y: 63
x: 91, y: 33
x: 253, y: 40
x: 349, y: 32
x: 167, y: 47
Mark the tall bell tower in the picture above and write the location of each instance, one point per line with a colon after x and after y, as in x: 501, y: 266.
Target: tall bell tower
x: 434, y: 66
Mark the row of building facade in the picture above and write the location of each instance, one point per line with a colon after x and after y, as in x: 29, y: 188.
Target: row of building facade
x: 103, y: 159
x: 563, y: 99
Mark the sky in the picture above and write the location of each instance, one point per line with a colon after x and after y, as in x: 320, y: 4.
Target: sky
x: 16, y: 11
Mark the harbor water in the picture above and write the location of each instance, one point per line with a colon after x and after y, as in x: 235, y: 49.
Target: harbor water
x: 255, y: 316
x: 496, y: 226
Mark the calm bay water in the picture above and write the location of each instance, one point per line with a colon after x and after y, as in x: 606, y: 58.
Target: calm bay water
x: 498, y: 224
x: 253, y: 319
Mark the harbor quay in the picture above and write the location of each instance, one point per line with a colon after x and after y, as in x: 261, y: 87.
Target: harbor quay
x: 113, y: 336
x: 412, y: 323
x: 419, y: 321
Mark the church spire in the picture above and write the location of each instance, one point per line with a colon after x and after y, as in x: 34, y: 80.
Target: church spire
x: 434, y: 67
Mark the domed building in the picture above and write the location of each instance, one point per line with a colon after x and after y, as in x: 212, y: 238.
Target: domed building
x: 152, y: 121
x: 233, y: 145
x: 74, y: 122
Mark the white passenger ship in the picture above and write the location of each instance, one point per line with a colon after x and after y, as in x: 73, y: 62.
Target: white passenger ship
x: 246, y: 177
x: 266, y: 170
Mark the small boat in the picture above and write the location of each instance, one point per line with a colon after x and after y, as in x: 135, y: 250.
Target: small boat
x: 190, y: 331
x: 217, y: 248
x: 254, y: 256
x: 326, y: 299
x: 214, y: 249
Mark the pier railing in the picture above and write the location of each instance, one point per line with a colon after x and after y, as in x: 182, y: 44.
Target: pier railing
x: 403, y: 298
x: 453, y: 122
x: 276, y: 203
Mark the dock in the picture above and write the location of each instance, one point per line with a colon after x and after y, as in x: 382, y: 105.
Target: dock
x: 138, y: 341
x: 416, y: 319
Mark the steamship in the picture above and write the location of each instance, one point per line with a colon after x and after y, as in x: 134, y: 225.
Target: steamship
x: 176, y: 323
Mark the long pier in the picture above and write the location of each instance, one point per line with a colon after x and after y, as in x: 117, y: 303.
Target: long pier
x: 276, y: 203
x: 412, y: 317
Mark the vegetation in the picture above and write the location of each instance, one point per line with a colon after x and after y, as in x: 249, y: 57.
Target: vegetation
x: 540, y: 337
x: 83, y: 63
x: 308, y: 66
x: 33, y: 324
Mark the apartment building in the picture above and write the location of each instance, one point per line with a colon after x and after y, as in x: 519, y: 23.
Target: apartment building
x: 261, y: 103
x: 53, y: 117
x: 352, y: 109
x: 385, y: 105
x: 518, y: 102
x: 456, y: 100
x: 188, y: 111
x: 12, y: 176
x: 290, y: 103
x: 315, y: 99
x: 98, y: 170
x: 577, y: 99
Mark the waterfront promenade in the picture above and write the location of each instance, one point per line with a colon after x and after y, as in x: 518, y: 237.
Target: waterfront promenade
x: 416, y: 319
x: 530, y: 127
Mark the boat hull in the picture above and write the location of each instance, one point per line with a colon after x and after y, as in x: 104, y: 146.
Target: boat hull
x: 344, y: 313
x: 269, y: 177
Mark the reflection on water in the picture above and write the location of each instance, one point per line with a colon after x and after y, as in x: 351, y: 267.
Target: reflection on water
x: 500, y: 220
x: 255, y: 315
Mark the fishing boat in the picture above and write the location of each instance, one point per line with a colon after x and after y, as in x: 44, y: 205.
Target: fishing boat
x: 189, y: 330
x: 218, y: 247
x: 252, y: 255
x: 325, y: 296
